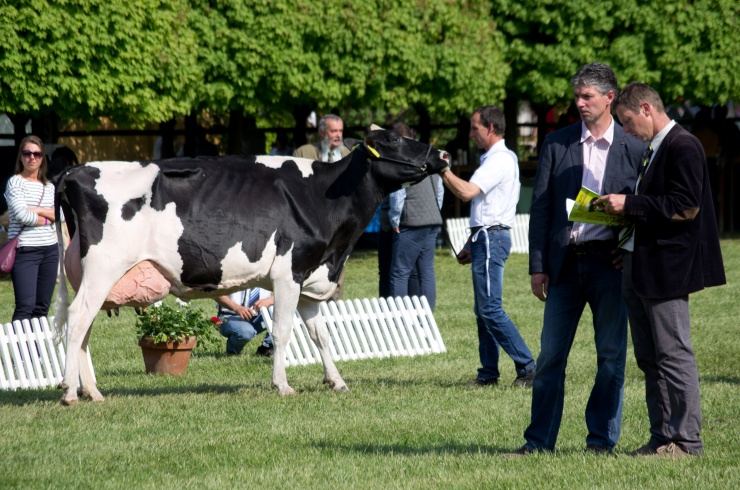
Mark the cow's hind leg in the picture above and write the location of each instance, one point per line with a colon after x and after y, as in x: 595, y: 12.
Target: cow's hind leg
x: 89, y: 390
x: 309, y: 311
x: 286, y: 298
x: 82, y: 312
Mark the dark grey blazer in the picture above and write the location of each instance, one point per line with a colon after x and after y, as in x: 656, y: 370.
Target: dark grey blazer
x: 559, y: 176
x: 677, y: 249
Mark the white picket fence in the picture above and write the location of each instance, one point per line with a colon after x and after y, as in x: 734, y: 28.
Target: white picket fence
x: 359, y: 329
x: 28, y: 356
x: 367, y: 328
x: 458, y: 230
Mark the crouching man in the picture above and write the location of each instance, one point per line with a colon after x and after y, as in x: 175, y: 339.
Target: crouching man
x: 241, y: 320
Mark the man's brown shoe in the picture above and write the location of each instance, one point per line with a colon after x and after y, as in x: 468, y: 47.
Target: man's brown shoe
x: 670, y: 450
x: 673, y: 451
x: 646, y: 450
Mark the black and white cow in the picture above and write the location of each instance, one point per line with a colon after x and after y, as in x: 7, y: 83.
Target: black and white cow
x: 214, y: 226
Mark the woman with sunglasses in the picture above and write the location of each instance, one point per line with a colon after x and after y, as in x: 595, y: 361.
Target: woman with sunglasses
x: 30, y: 198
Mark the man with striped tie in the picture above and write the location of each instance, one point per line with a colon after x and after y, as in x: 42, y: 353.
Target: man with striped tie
x: 672, y: 251
x: 241, y: 320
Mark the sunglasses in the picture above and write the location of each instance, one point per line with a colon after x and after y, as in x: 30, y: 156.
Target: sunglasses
x: 36, y: 154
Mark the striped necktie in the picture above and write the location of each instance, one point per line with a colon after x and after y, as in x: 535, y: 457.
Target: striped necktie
x: 254, y: 295
x: 330, y: 156
x: 629, y: 230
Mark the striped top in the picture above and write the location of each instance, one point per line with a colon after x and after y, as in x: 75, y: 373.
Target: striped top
x: 21, y: 195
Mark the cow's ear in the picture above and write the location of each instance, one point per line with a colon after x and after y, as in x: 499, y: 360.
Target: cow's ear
x: 369, y: 142
x: 351, y: 143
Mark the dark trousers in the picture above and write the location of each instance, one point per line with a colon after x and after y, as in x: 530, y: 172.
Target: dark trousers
x: 413, y: 251
x: 385, y: 254
x: 385, y: 264
x: 34, y: 277
x: 661, y: 335
x: 586, y: 279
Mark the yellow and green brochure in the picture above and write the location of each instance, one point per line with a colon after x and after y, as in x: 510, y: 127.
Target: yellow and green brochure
x: 583, y: 210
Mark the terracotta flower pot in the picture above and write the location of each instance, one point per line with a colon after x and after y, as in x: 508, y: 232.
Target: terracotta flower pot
x: 166, y: 357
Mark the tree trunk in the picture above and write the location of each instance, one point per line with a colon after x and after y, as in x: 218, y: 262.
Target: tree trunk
x: 168, y: 138
x: 191, y: 134
x: 236, y: 132
x: 425, y: 124
x: 511, y: 113
x: 300, y: 114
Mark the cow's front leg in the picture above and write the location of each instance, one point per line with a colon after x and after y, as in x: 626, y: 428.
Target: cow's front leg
x: 286, y: 298
x: 316, y: 325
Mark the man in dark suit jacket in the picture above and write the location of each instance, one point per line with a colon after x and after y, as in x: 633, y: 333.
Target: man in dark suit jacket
x: 673, y: 250
x: 571, y: 264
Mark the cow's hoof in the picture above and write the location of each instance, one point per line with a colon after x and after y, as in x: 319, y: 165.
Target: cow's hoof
x: 93, y: 396
x: 339, y: 387
x: 286, y: 391
x: 68, y: 402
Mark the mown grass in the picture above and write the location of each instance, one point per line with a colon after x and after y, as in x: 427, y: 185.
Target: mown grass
x: 406, y: 423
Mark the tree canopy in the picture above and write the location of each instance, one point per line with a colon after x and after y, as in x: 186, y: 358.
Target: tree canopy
x: 133, y: 61
x: 147, y: 61
x: 684, y: 49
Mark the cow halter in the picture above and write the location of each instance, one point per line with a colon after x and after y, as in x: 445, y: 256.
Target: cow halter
x: 375, y: 153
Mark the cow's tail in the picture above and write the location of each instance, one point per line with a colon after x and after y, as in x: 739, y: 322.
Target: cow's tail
x: 61, y: 306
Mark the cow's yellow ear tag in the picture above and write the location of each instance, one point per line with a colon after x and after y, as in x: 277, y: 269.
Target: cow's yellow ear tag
x: 373, y: 151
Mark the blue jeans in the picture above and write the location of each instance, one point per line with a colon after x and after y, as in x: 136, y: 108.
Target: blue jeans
x: 239, y: 332
x: 413, y: 250
x: 495, y: 328
x: 590, y: 278
x: 34, y: 277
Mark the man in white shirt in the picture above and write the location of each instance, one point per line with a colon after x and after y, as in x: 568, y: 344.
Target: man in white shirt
x: 241, y: 320
x: 494, y: 191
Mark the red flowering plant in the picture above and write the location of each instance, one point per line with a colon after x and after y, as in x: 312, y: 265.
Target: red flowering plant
x: 166, y: 323
x: 216, y: 321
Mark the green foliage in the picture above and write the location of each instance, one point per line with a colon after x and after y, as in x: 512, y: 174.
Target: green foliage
x: 145, y: 61
x: 132, y: 61
x: 684, y: 49
x: 166, y: 323
x: 277, y: 55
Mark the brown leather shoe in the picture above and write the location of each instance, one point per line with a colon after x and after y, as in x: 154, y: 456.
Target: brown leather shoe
x: 670, y: 450
x: 646, y: 450
x: 673, y: 451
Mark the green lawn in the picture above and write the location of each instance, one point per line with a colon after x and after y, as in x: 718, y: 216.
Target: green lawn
x: 406, y: 422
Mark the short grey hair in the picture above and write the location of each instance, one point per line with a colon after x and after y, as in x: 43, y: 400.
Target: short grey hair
x: 597, y: 74
x: 328, y: 117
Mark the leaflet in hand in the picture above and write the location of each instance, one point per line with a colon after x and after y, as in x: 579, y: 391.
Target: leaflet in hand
x: 583, y: 210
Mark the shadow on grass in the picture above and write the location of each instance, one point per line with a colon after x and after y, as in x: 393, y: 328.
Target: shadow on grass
x: 448, y: 449
x: 732, y: 380
x: 30, y: 396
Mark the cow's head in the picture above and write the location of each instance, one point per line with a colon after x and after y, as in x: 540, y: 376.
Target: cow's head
x: 398, y: 160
